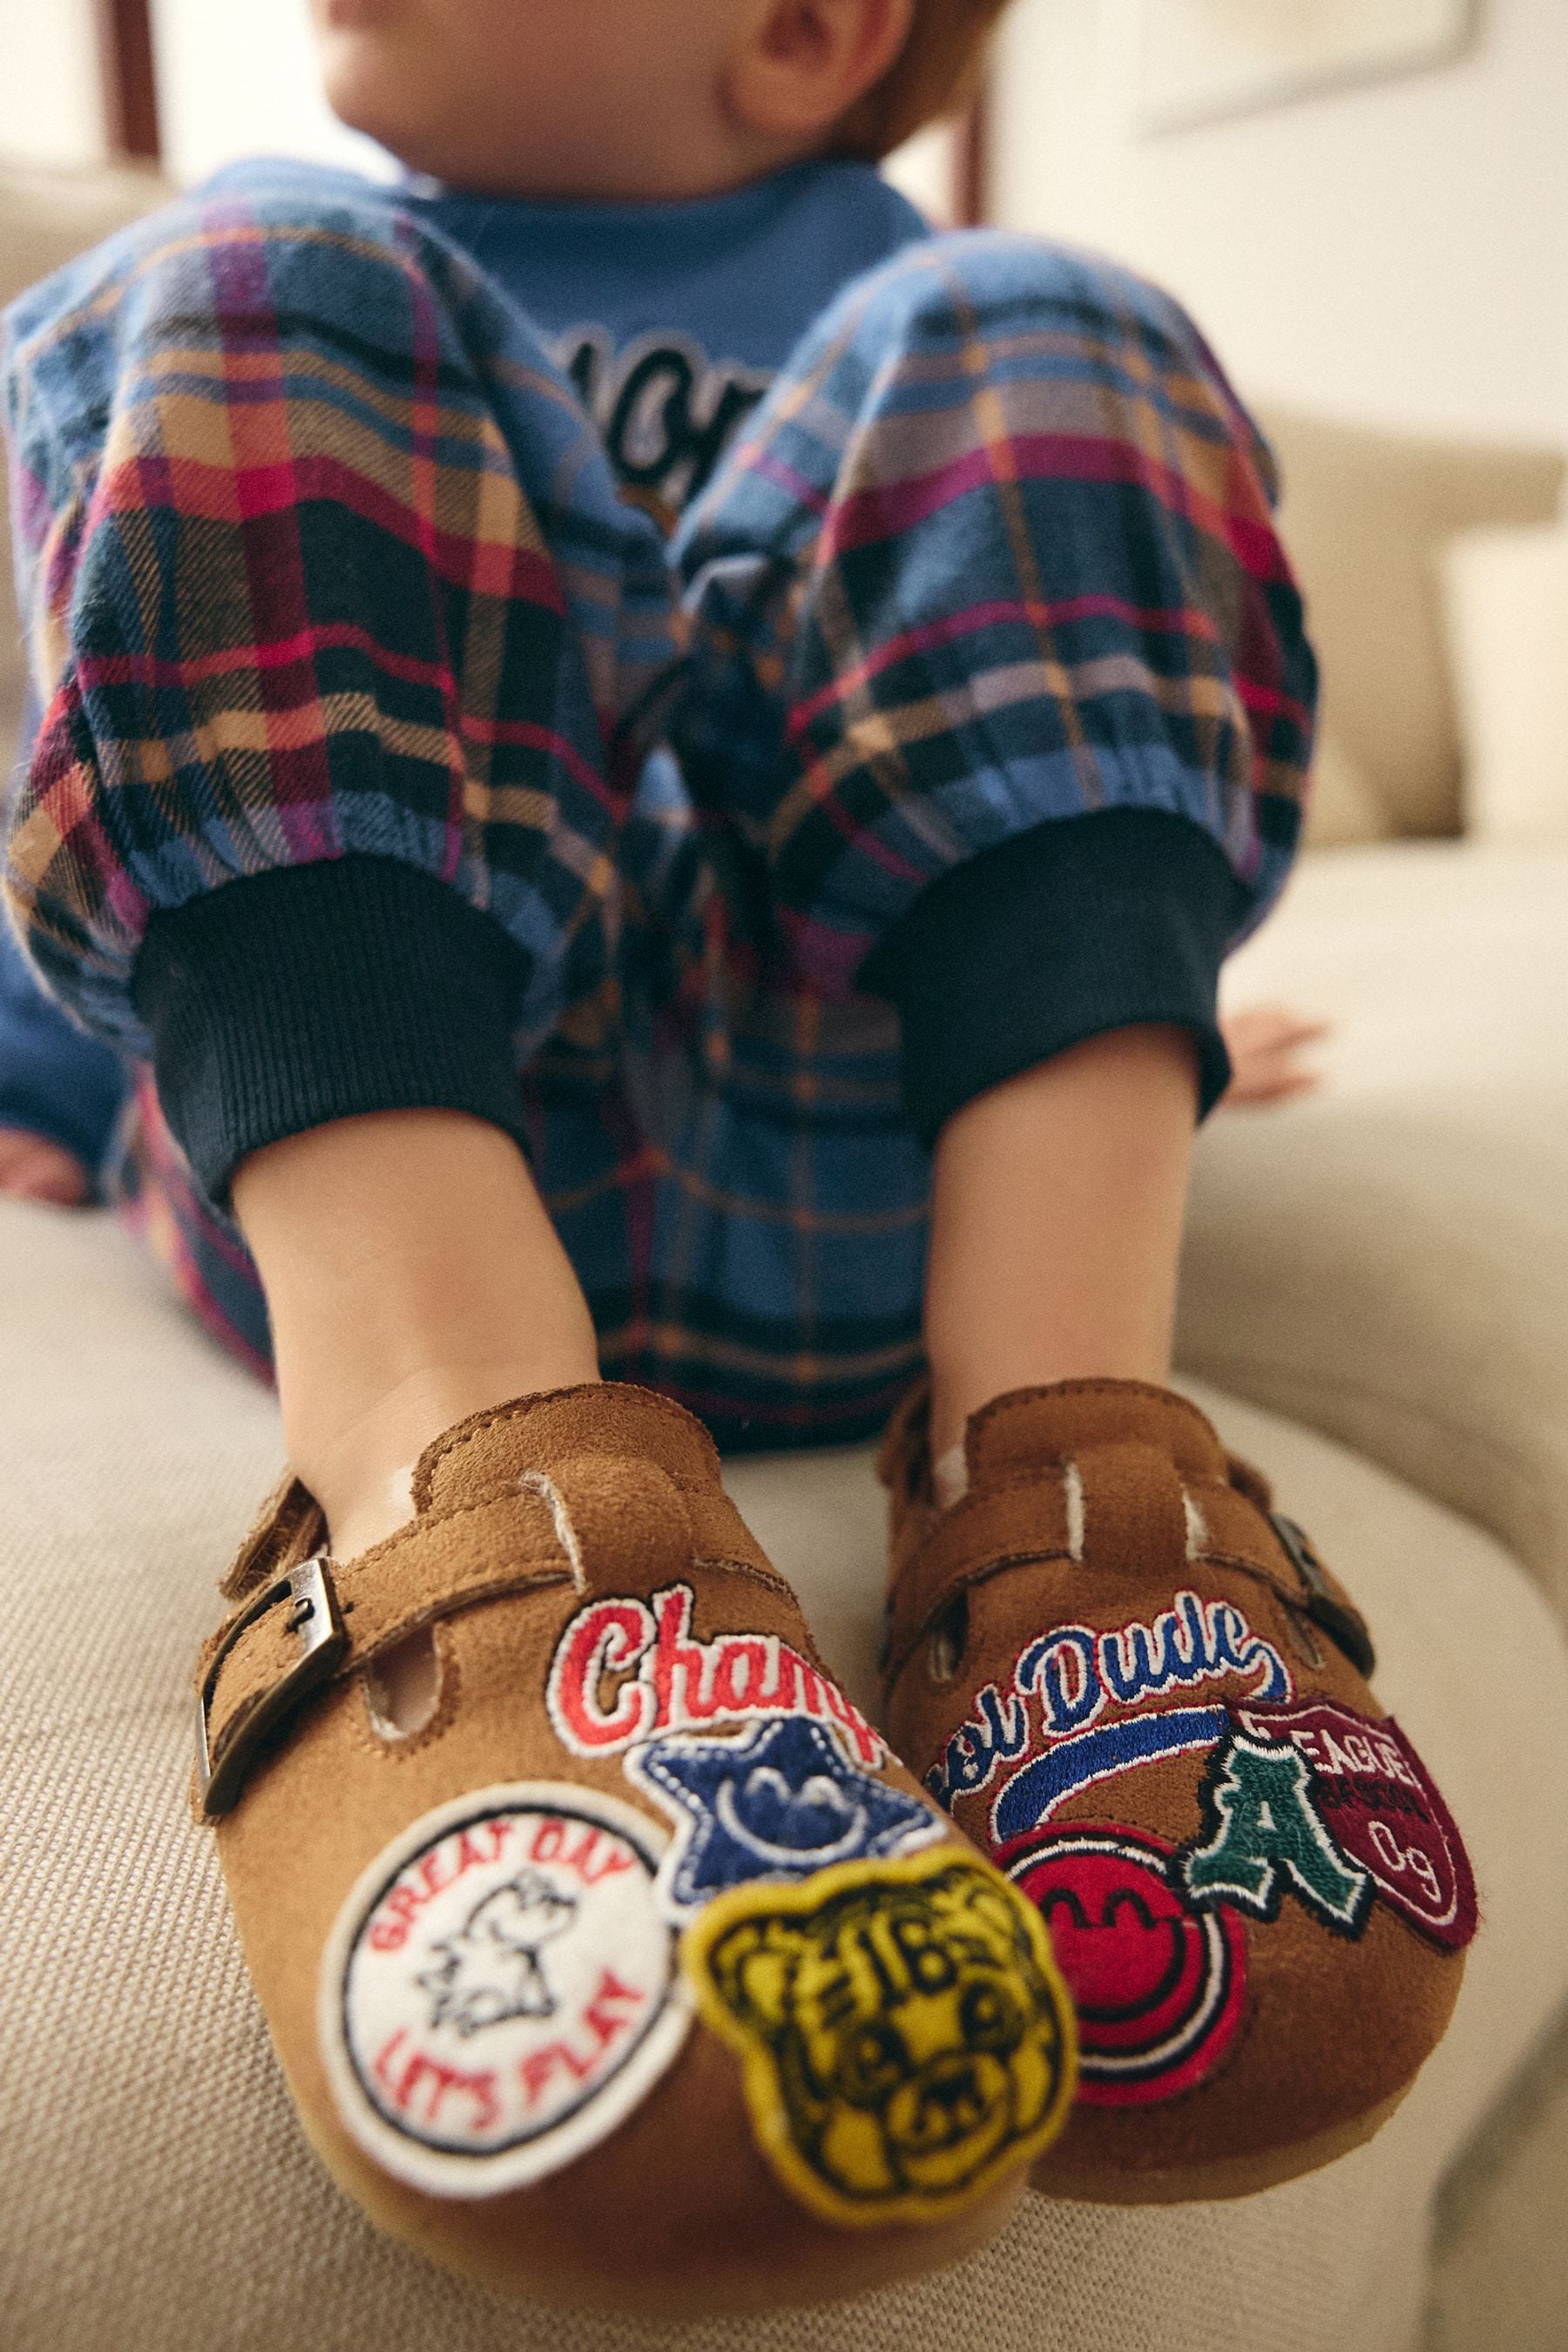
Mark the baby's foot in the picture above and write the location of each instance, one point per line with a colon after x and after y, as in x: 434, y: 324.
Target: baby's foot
x: 34, y: 1169
x: 1134, y: 1684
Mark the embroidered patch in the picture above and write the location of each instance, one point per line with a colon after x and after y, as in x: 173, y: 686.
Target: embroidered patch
x: 1068, y: 1678
x: 625, y: 1671
x: 777, y: 1800
x: 1264, y: 1832
x: 1072, y: 1765
x: 905, y: 2035
x: 1160, y: 1988
x: 501, y: 1988
x: 1383, y: 1811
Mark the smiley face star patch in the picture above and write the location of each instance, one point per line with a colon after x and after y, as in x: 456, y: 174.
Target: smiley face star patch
x: 779, y: 1801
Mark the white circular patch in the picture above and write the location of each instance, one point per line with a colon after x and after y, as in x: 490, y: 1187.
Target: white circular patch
x: 501, y: 1988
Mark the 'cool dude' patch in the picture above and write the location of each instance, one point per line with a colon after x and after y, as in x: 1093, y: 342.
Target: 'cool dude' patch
x: 1066, y: 1680
x: 779, y: 1800
x: 501, y: 1988
x: 905, y: 2037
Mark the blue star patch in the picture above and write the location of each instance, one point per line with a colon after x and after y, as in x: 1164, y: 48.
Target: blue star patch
x: 780, y: 1801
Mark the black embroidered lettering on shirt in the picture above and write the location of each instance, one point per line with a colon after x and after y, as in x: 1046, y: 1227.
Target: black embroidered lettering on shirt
x: 667, y: 412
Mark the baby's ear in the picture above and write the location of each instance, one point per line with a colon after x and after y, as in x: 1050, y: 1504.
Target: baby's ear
x: 807, y: 62
x: 751, y: 1968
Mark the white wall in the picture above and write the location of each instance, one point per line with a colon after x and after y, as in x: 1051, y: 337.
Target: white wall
x: 238, y: 78
x: 51, y: 101
x: 927, y: 171
x: 1396, y: 251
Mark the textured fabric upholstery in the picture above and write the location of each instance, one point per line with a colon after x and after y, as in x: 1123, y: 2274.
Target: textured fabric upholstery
x: 1365, y: 516
x: 1388, y: 1259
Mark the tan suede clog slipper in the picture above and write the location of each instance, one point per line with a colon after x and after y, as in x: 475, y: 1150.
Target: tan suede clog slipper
x: 638, y: 1975
x: 1134, y: 1685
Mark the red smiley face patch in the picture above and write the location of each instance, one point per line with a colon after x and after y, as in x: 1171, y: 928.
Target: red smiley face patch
x: 1160, y: 1986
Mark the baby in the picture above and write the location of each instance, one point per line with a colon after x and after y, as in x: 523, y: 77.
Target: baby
x: 654, y: 767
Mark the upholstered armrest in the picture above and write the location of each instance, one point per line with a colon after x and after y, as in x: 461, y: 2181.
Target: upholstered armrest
x: 1387, y: 1260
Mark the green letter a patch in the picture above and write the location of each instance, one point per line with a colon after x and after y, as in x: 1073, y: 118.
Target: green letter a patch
x: 1265, y: 1830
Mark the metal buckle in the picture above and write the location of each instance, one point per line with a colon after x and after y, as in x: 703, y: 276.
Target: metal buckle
x: 313, y: 1617
x: 1344, y: 1626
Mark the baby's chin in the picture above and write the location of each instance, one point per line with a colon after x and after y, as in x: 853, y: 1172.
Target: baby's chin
x: 385, y: 107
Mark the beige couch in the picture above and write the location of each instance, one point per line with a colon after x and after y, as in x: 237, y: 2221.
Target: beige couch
x: 1377, y: 1286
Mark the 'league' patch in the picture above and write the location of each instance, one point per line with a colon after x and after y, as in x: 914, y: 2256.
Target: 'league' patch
x: 1383, y: 1811
x: 1160, y: 1988
x: 501, y: 1988
x: 905, y: 2036
x: 778, y: 1799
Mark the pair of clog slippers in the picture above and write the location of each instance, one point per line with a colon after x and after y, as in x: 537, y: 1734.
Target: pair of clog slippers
x: 639, y: 1973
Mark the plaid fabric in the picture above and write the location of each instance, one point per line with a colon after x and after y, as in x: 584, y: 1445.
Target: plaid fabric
x: 321, y: 555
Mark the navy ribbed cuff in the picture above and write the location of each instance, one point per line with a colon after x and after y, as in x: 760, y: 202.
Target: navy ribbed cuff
x: 1080, y: 925
x: 286, y: 999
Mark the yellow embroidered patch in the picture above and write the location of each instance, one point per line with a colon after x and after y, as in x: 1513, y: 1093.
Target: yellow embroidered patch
x: 905, y: 2036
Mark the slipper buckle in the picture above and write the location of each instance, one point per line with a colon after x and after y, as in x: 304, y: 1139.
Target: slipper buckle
x: 314, y: 1619
x: 1342, y: 1624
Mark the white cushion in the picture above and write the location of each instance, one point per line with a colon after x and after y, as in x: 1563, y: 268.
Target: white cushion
x: 1506, y: 600
x: 1365, y: 514
x: 154, y: 2189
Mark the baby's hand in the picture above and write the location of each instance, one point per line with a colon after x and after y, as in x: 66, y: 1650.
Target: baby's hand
x: 34, y: 1169
x: 1265, y: 1044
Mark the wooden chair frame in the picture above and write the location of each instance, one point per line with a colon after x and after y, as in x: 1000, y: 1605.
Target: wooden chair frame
x: 130, y: 81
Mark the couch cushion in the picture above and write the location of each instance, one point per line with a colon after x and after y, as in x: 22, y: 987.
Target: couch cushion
x: 154, y: 2189
x: 47, y: 218
x: 1388, y: 1259
x: 1506, y: 601
x: 1365, y: 514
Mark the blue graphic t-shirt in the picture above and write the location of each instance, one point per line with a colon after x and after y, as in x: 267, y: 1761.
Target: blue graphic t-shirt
x: 671, y: 319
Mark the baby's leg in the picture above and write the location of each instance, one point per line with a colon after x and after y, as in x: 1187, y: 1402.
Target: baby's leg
x: 1003, y: 684
x: 1057, y: 1209
x: 413, y: 1277
x: 328, y: 813
x: 322, y: 817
